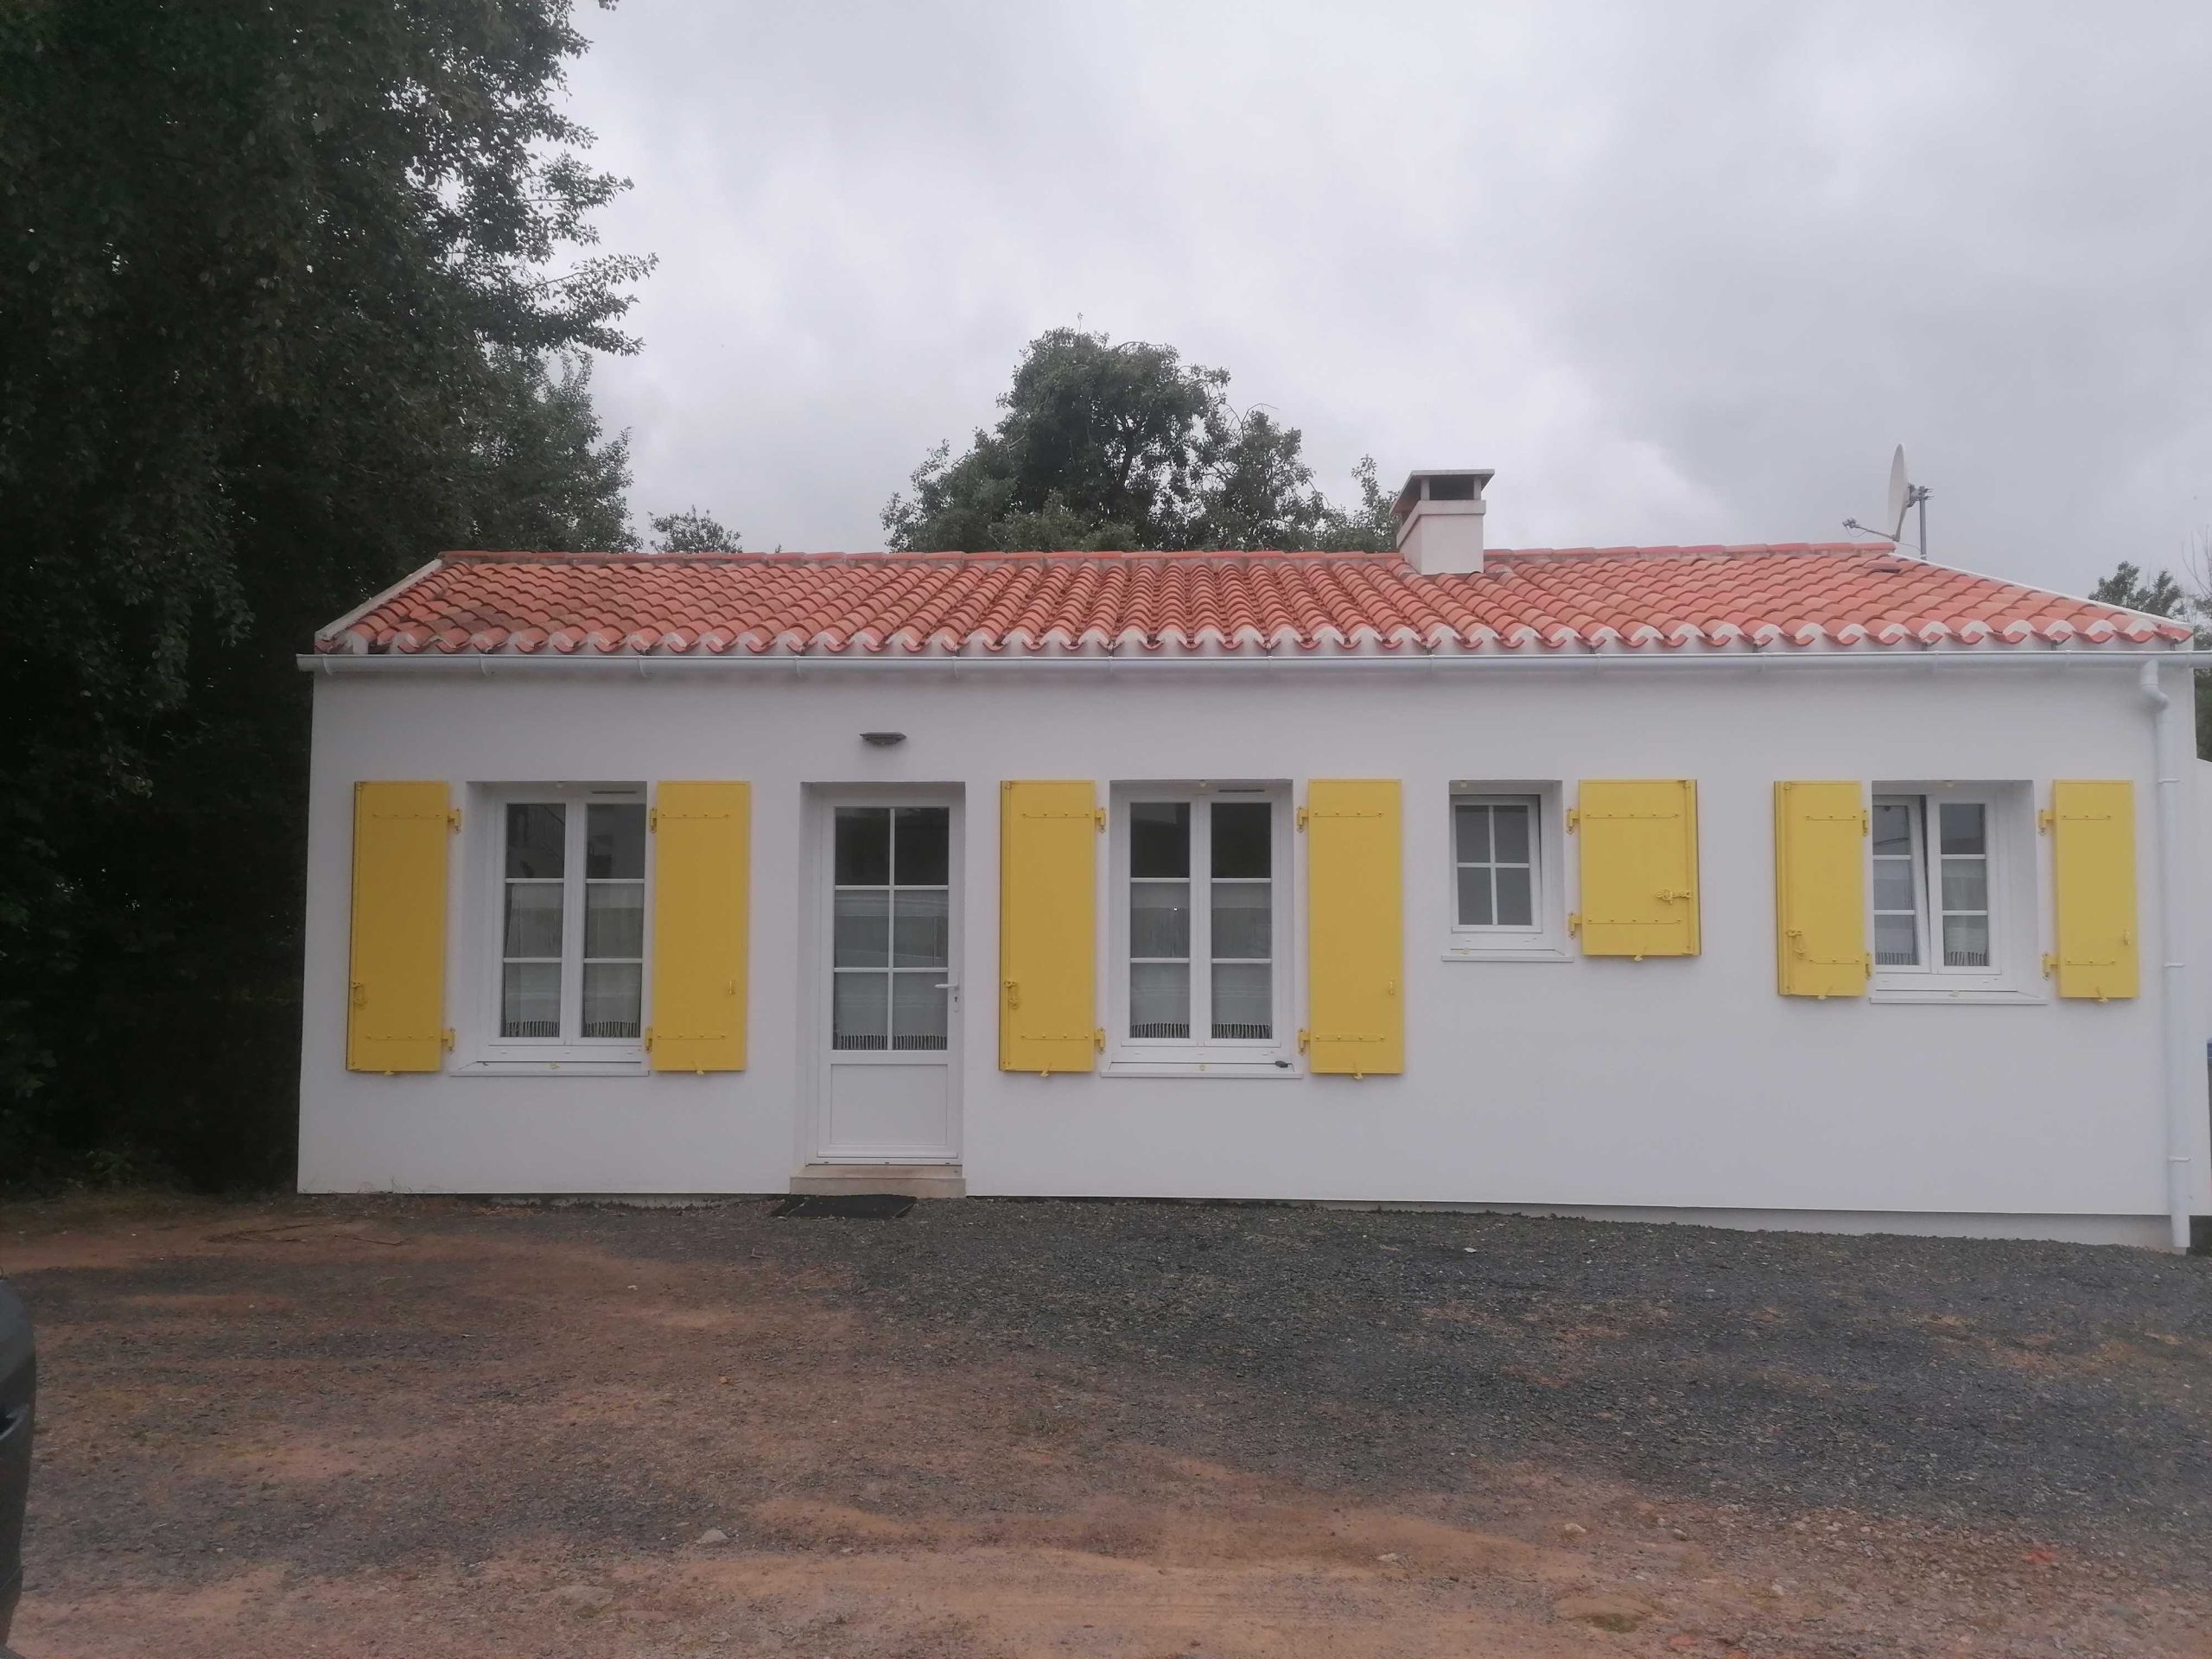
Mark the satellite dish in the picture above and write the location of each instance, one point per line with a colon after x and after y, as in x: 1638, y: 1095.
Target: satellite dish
x: 1904, y: 496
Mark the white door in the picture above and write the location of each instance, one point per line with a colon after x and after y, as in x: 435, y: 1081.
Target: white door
x: 893, y: 916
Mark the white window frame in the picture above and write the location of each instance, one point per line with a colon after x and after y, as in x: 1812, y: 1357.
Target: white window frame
x: 1545, y: 939
x: 486, y: 1052
x: 1205, y: 1056
x: 2010, y: 851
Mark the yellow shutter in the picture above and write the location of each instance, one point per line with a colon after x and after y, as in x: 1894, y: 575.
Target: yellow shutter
x: 396, y: 1020
x: 1820, y: 889
x: 2093, y: 862
x: 1639, y: 868
x: 1354, y: 927
x: 1048, y: 909
x: 702, y: 857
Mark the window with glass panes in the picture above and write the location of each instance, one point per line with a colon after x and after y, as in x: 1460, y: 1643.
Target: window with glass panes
x: 1494, y: 855
x: 1201, y: 920
x: 572, y: 921
x: 1932, y: 886
x: 891, y: 928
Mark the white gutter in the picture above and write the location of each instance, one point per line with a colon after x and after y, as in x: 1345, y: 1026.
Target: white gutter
x: 792, y: 664
x: 2183, y: 1054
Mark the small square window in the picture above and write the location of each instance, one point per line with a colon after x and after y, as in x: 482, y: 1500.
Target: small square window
x: 1494, y: 853
x: 1504, y: 886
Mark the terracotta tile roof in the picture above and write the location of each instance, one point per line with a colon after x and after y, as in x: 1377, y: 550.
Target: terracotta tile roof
x: 1613, y: 598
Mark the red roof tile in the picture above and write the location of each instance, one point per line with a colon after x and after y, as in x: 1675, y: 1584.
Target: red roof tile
x: 1541, y: 600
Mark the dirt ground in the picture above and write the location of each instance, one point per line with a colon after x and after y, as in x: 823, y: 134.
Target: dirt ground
x: 447, y: 1428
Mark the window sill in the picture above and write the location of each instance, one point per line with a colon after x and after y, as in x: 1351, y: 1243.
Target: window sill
x: 623, y: 1067
x: 1521, y: 951
x: 1985, y: 995
x: 1258, y: 1068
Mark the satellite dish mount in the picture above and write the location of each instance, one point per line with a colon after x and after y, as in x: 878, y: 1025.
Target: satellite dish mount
x: 1904, y: 496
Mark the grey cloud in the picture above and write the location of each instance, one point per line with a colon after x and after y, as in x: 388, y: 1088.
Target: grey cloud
x: 1678, y: 273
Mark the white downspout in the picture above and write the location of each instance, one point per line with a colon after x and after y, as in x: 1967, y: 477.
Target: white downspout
x: 2183, y: 1054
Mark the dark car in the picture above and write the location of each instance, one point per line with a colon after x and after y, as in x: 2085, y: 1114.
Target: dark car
x: 18, y: 1388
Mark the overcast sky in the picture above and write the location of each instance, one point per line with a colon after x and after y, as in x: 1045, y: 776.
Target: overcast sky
x: 1678, y: 273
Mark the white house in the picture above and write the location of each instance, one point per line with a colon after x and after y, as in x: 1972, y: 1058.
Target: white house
x: 1805, y: 886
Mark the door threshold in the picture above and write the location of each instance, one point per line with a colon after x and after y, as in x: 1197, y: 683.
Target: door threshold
x: 914, y: 1180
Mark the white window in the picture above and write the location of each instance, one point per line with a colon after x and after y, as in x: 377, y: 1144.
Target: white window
x: 1201, y: 892
x: 1505, y: 900
x: 568, y: 927
x: 1494, y: 858
x: 1949, y: 917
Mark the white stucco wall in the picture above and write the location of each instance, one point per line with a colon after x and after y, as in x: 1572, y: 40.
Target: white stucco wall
x: 1582, y: 1084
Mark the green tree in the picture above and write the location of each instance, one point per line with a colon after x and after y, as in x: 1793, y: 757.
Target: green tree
x: 545, y: 475
x: 693, y: 530
x: 2163, y: 595
x: 1105, y: 445
x: 2126, y: 587
x: 285, y: 291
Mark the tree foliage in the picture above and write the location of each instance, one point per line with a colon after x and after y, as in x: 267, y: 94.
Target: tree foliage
x: 2165, y: 595
x: 2128, y: 586
x: 1105, y: 446
x: 692, y: 531
x: 290, y: 303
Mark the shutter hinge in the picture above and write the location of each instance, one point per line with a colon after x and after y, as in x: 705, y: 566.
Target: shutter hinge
x: 445, y: 1039
x: 452, y: 819
x: 1098, y: 817
x: 2044, y: 819
x: 1098, y: 1040
x: 1303, y: 813
x: 652, y: 817
x: 649, y: 1039
x: 1573, y: 819
x: 1305, y: 1040
x: 1866, y: 822
x: 1574, y: 923
x: 2049, y: 966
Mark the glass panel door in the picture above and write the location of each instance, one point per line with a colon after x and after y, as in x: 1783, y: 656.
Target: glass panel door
x: 891, y: 928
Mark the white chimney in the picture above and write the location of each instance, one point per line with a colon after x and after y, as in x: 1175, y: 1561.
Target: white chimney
x: 1441, y: 522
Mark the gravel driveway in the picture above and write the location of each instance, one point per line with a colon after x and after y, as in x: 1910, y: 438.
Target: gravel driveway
x: 449, y: 1426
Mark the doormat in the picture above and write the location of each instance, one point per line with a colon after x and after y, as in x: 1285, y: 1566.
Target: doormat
x: 854, y: 1206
